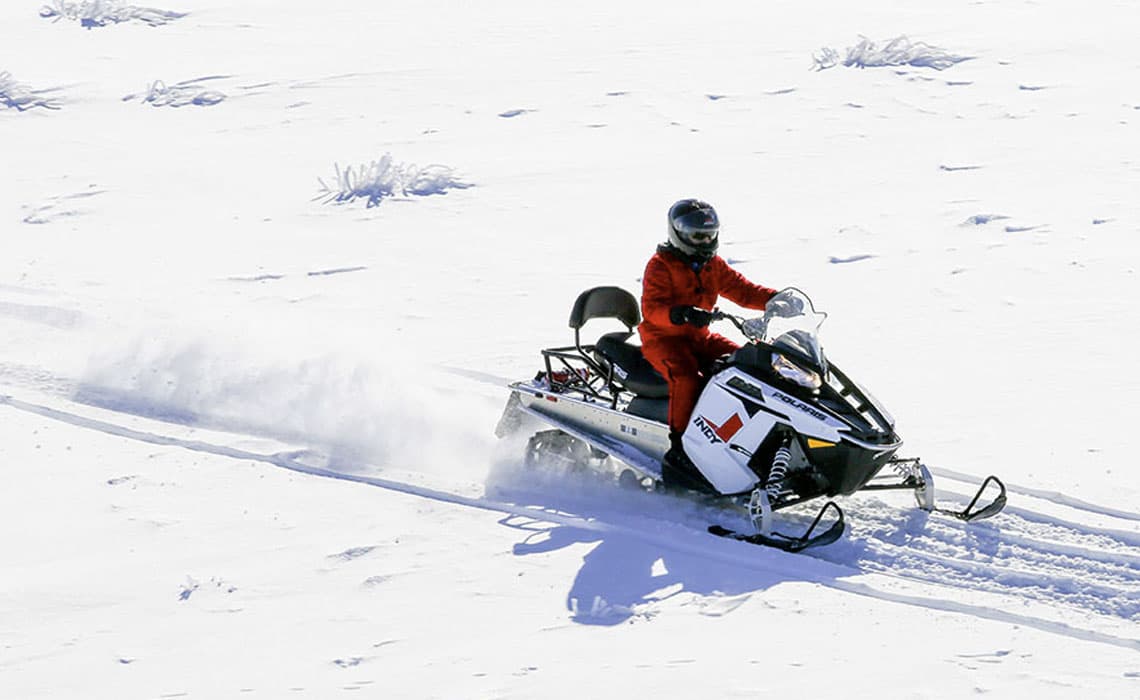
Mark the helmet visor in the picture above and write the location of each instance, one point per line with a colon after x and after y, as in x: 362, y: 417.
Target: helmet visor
x: 701, y: 235
x: 698, y: 227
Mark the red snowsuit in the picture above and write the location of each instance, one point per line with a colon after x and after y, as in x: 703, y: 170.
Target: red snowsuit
x: 680, y: 353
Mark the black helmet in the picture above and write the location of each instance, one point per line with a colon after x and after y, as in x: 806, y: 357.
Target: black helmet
x: 694, y: 229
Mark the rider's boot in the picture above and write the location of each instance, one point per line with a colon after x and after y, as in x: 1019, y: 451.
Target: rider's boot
x: 678, y: 471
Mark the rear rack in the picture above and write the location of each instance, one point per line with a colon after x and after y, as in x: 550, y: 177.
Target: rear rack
x: 571, y: 369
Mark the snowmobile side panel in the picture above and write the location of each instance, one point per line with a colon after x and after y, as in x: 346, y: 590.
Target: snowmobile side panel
x: 737, y: 412
x: 638, y: 442
x: 722, y: 436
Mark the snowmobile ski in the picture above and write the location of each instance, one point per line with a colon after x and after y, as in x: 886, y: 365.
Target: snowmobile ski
x: 971, y: 513
x: 789, y: 543
x: 916, y: 476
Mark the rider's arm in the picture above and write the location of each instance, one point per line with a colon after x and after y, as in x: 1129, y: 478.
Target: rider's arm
x: 656, y: 293
x: 736, y: 288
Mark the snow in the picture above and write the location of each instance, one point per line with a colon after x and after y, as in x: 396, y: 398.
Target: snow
x: 247, y: 430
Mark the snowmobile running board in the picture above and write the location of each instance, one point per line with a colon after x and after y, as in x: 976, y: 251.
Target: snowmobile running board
x: 786, y: 542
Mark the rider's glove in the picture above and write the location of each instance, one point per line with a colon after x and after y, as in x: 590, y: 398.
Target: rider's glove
x: 692, y: 315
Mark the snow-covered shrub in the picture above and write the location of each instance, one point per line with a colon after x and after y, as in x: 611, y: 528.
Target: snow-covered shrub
x: 99, y: 13
x: 188, y: 92
x: 387, y: 178
x: 899, y: 51
x: 14, y: 95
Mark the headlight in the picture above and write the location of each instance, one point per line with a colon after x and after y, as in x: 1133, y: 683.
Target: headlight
x: 794, y: 373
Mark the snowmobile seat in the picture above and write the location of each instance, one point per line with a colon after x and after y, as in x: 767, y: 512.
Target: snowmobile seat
x: 605, y: 302
x: 630, y: 366
x: 613, y: 350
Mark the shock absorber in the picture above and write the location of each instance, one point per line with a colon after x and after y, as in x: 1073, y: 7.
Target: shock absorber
x: 780, y: 461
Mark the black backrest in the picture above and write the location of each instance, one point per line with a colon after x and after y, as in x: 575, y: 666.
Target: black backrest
x: 605, y: 302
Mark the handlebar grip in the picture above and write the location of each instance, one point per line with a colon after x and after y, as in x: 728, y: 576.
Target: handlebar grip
x: 719, y: 315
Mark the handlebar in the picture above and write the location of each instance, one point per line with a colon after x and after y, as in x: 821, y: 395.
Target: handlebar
x: 753, y: 329
x: 718, y: 315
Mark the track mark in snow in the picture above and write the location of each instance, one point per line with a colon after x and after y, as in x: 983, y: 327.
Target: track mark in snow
x: 352, y: 553
x: 336, y: 271
x: 902, y: 545
x: 958, y: 168
x: 273, y: 276
x: 59, y: 207
x: 47, y: 315
x: 511, y: 113
x: 37, y: 378
x: 849, y: 259
x: 991, y: 613
x: 1039, y: 563
x: 256, y: 278
x: 983, y: 219
x: 992, y: 657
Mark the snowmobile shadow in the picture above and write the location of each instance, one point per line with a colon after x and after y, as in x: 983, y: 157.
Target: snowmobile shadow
x: 649, y: 549
x: 627, y: 576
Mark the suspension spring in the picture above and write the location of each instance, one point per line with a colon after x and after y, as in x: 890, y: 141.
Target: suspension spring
x: 779, y: 470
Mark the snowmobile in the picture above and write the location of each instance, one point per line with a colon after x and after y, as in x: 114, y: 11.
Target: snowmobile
x: 776, y: 425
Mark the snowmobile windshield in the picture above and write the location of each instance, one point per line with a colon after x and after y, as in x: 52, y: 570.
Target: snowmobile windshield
x: 790, y: 322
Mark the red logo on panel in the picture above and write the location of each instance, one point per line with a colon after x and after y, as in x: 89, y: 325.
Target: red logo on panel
x: 728, y: 429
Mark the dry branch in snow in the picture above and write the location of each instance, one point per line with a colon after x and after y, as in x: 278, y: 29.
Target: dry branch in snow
x: 386, y: 178
x: 99, y: 13
x: 899, y: 51
x: 16, y: 95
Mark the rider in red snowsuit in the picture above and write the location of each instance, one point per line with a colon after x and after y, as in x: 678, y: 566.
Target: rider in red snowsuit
x: 679, y: 351
x: 681, y: 285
